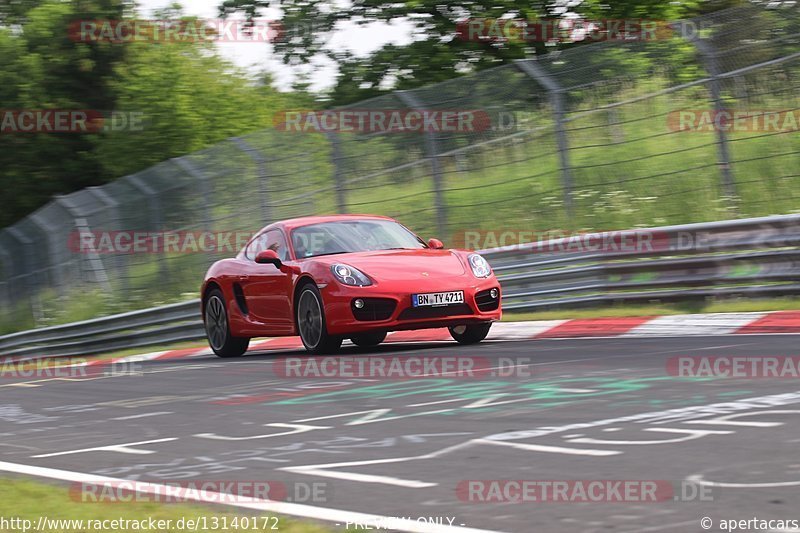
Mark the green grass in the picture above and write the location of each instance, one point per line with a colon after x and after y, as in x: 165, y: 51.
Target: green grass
x: 629, y: 170
x: 29, y: 500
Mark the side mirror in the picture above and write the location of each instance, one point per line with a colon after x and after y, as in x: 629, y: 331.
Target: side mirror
x: 436, y: 244
x: 268, y: 257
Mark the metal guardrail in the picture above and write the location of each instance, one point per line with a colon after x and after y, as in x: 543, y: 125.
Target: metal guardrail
x: 747, y: 257
x: 159, y: 325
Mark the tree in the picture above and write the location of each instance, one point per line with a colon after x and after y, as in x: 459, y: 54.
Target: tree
x: 436, y: 52
x: 186, y: 95
x: 45, y: 69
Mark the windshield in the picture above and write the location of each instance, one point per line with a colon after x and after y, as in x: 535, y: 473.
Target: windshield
x: 330, y: 238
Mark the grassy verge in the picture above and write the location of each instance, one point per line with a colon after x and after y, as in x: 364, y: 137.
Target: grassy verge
x: 727, y: 306
x: 30, y: 500
x: 731, y: 306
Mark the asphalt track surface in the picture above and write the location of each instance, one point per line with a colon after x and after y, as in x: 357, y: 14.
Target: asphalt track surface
x: 401, y: 448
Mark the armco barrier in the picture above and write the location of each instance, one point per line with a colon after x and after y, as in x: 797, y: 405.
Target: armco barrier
x: 148, y: 327
x: 747, y: 257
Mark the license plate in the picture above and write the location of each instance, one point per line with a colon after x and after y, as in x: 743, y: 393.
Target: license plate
x: 437, y: 298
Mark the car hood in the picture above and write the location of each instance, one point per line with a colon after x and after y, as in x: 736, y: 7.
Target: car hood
x: 402, y: 265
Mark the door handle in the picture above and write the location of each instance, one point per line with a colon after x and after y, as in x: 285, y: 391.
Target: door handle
x: 243, y: 277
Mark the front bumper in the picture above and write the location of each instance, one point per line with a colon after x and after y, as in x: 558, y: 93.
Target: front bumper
x: 394, y: 310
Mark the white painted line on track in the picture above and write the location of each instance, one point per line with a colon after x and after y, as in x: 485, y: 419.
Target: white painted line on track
x: 119, y: 448
x: 673, y: 527
x: 547, y: 449
x: 423, y: 404
x: 370, y: 478
x: 700, y: 480
x: 293, y: 509
x: 143, y: 415
x: 323, y: 470
x: 295, y: 428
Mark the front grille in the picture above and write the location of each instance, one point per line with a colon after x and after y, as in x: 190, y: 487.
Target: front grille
x: 374, y: 309
x: 486, y: 302
x: 415, y: 313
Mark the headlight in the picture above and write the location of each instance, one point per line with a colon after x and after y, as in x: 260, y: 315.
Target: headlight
x: 480, y: 267
x: 350, y: 276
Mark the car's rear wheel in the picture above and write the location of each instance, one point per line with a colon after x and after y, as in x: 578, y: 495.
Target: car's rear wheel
x: 218, y: 329
x: 470, y: 334
x: 311, y: 322
x: 366, y: 340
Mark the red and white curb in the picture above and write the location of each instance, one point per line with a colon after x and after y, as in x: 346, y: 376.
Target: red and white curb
x: 627, y: 327
x: 647, y: 326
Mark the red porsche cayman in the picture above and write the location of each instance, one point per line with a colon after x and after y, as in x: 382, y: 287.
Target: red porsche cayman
x: 327, y: 278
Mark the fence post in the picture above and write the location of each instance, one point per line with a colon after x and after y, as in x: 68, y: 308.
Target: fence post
x: 262, y: 176
x: 30, y: 270
x: 432, y: 149
x: 82, y: 226
x: 55, y: 274
x: 556, y: 93
x: 154, y: 205
x: 120, y: 263
x: 205, y: 190
x: 7, y: 272
x: 338, y: 181
x: 709, y: 55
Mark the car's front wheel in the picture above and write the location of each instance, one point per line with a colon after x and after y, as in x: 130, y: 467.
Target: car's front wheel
x: 471, y: 334
x: 218, y: 329
x: 311, y: 322
x: 366, y: 340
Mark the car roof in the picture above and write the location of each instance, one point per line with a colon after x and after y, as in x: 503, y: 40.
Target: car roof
x: 293, y: 223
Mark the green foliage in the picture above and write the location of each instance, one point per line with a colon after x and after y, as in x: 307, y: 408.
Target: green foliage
x: 435, y: 53
x: 187, y: 96
x: 31, y: 500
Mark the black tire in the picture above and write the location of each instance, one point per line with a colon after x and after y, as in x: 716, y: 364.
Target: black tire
x: 310, y: 320
x: 367, y: 340
x: 218, y: 329
x: 471, y: 334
